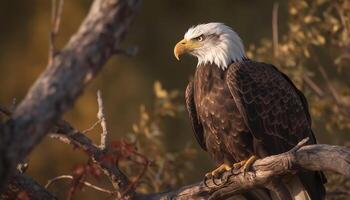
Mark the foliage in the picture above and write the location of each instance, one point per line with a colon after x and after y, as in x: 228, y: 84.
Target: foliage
x: 167, y: 169
x: 315, y: 53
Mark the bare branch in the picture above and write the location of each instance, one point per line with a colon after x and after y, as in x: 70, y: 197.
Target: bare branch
x: 67, y: 134
x: 13, y: 106
x: 91, y: 127
x: 5, y: 110
x: 101, y: 117
x: 63, y: 81
x: 90, y: 185
x: 338, y: 193
x: 318, y: 157
x: 275, y: 28
x: 132, y: 51
x: 330, y: 86
x: 56, y: 14
x: 313, y: 86
x: 334, y: 93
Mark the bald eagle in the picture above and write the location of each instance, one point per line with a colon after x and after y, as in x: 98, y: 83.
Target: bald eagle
x: 241, y: 109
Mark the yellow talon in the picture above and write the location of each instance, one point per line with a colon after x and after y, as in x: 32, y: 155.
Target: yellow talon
x: 249, y: 163
x: 239, y: 164
x: 219, y: 170
x: 245, y: 164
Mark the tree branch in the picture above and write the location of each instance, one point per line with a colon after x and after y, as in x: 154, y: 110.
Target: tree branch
x: 64, y: 80
x: 67, y: 134
x: 319, y: 157
x: 56, y: 14
x: 313, y: 85
x: 24, y: 187
x: 87, y: 184
x: 275, y: 28
x: 101, y: 117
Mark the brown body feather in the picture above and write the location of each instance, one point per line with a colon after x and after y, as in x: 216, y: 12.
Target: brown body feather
x: 248, y: 109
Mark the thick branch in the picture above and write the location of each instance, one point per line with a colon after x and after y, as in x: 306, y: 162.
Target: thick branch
x: 313, y: 157
x: 63, y: 81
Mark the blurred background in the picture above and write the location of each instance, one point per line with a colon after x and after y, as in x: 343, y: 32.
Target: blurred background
x: 143, y: 95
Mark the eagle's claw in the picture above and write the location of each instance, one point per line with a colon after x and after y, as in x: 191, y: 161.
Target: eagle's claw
x: 245, y: 165
x: 216, y: 174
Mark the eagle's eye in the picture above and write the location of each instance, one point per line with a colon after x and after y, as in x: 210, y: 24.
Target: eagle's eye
x: 199, y: 38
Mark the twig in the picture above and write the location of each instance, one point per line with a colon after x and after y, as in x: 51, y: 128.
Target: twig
x: 13, y: 105
x: 102, y: 119
x: 90, y: 185
x: 300, y: 144
x: 8, y: 111
x: 56, y: 14
x: 145, y: 162
x: 330, y: 86
x: 132, y: 51
x: 91, y: 127
x: 5, y: 110
x: 338, y: 193
x: 329, y: 83
x: 313, y: 86
x: 275, y: 28
x: 342, y: 18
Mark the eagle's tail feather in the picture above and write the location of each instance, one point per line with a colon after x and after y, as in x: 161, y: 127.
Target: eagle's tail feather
x: 313, y: 184
x: 306, y: 185
x: 257, y: 194
x: 297, y: 189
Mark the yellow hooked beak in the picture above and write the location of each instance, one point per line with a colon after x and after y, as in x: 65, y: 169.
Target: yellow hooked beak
x: 184, y: 46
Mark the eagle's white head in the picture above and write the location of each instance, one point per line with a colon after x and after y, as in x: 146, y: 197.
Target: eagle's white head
x: 212, y: 43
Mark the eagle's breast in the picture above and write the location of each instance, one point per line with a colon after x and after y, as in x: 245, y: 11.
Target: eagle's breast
x: 225, y: 133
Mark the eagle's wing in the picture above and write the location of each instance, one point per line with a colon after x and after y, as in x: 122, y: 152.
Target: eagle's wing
x: 191, y: 108
x: 275, y: 111
x: 272, y: 107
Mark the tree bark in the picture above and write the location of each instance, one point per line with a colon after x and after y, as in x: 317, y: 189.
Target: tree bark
x: 63, y: 81
x: 319, y: 157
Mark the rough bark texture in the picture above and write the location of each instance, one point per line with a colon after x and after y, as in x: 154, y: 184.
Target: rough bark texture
x: 313, y: 157
x: 64, y: 80
x: 24, y: 187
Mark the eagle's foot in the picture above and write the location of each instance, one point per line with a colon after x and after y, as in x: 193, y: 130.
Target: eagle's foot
x: 216, y: 173
x: 245, y: 165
